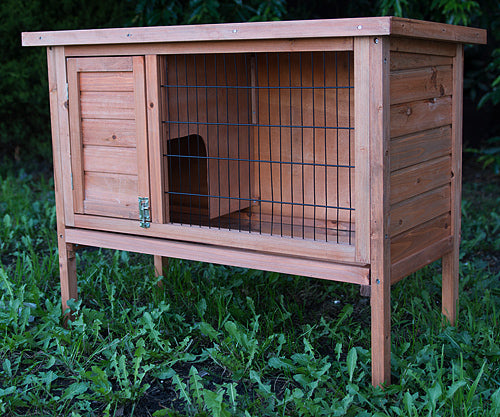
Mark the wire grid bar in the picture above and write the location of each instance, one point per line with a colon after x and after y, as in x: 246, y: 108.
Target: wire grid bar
x: 260, y: 143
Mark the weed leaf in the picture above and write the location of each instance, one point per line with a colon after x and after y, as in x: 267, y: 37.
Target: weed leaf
x: 352, y: 358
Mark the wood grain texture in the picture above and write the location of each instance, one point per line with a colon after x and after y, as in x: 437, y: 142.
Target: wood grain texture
x: 75, y: 135
x: 362, y: 148
x: 380, y: 279
x: 420, y: 46
x: 419, y: 147
x: 200, y: 47
x: 67, y: 264
x: 414, y: 211
x: 118, y: 188
x: 421, y: 29
x: 110, y: 159
x: 113, y: 133
x: 418, y: 260
x: 417, y: 239
x: 418, y: 179
x: 89, y: 64
x: 107, y: 105
x: 225, y: 256
x: 367, y: 26
x: 407, y: 60
x: 157, y: 168
x: 227, y: 238
x: 420, y: 115
x: 106, y: 81
x: 420, y: 84
x: 451, y: 265
x: 141, y: 127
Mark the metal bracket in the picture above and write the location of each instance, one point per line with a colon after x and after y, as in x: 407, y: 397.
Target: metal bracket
x: 144, y: 212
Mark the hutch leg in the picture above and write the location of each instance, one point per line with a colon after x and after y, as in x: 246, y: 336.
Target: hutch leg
x: 450, y: 261
x: 160, y: 264
x: 450, y: 286
x: 381, y: 331
x: 380, y: 258
x: 67, y: 270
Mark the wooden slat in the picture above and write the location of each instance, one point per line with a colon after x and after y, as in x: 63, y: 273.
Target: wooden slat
x: 380, y: 279
x: 417, y: 239
x: 419, y: 147
x: 426, y: 256
x: 109, y: 209
x: 420, y: 84
x: 419, y: 46
x: 230, y: 238
x: 107, y: 105
x: 103, y: 64
x: 106, y: 81
x: 154, y: 114
x: 420, y: 115
x: 405, y: 60
x: 362, y: 148
x: 114, y: 133
x: 418, y: 179
x: 245, y: 46
x: 116, y: 188
x: 110, y: 159
x: 417, y: 210
x: 225, y: 256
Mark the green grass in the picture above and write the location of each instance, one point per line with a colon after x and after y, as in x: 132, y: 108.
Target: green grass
x: 220, y: 341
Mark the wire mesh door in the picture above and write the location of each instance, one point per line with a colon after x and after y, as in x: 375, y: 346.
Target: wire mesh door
x: 261, y: 143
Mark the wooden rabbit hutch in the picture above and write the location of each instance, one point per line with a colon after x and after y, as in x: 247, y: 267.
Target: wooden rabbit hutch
x: 328, y: 148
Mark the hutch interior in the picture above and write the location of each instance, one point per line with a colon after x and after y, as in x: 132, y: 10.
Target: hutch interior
x: 329, y: 149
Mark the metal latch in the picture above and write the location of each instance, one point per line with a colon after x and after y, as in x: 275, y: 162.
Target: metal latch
x: 144, y: 212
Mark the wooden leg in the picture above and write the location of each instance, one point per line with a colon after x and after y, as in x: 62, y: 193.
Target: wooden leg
x: 161, y: 264
x: 450, y: 286
x: 67, y: 269
x: 381, y: 332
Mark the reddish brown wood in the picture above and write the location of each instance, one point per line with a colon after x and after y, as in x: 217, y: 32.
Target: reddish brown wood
x: 111, y: 147
x: 451, y: 259
x: 380, y: 279
x: 235, y: 257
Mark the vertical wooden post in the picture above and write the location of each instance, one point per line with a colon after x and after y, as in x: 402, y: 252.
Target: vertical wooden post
x: 451, y: 260
x: 60, y: 133
x: 155, y: 74
x: 380, y: 280
x: 362, y: 148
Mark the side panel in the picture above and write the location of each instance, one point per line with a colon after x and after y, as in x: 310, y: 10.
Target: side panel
x: 421, y: 85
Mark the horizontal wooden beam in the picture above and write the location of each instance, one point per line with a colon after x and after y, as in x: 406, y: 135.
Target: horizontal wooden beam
x: 305, y: 248
x: 220, y: 255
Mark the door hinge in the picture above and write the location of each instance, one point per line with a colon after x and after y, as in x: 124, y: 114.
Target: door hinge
x: 144, y: 212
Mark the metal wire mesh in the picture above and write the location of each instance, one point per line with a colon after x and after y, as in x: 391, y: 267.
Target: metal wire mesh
x: 261, y: 143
